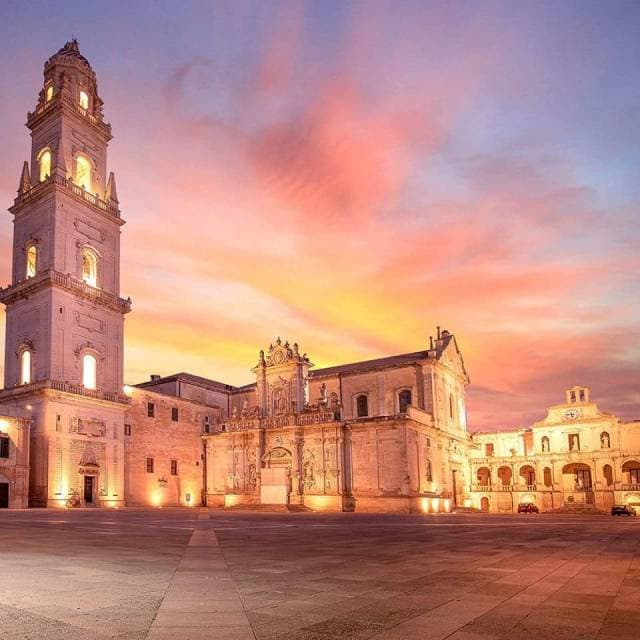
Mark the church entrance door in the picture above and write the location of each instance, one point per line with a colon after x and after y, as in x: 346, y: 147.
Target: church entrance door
x: 88, y: 489
x: 4, y: 495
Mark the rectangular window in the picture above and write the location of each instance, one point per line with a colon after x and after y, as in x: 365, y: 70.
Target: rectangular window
x: 207, y: 424
x: 127, y: 429
x: 149, y: 465
x: 58, y: 423
x: 4, y: 447
x: 428, y: 442
x: 151, y: 410
x: 581, y: 395
x: 488, y: 448
x: 174, y: 467
x: 174, y: 414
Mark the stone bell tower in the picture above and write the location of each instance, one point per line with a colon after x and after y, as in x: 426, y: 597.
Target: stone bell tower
x: 65, y: 316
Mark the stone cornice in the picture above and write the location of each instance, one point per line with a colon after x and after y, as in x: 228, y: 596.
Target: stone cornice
x: 67, y: 282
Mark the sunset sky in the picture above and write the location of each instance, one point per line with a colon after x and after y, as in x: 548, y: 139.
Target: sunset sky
x: 350, y: 175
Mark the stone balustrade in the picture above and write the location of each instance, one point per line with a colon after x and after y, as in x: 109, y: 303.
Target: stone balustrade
x: 277, y: 422
x: 65, y: 387
x: 68, y: 282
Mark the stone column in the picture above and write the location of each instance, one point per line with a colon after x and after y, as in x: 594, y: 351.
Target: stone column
x: 259, y: 454
x: 295, y: 468
x: 340, y: 461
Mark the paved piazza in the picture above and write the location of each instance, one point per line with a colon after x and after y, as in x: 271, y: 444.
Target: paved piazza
x: 178, y: 574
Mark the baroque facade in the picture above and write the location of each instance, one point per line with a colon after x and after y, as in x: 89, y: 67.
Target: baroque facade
x: 387, y: 435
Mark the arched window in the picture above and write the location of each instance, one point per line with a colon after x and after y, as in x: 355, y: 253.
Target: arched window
x: 404, y: 400
x: 452, y: 407
x: 89, y: 367
x: 25, y: 367
x: 89, y: 267
x: 83, y: 172
x: 84, y: 100
x: 44, y: 160
x: 32, y: 256
x: 362, y: 406
x: 548, y: 480
x: 49, y: 93
x: 607, y: 472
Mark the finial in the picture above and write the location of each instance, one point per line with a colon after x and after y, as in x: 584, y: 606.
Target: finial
x: 25, y: 179
x: 112, y: 192
x: 431, y: 343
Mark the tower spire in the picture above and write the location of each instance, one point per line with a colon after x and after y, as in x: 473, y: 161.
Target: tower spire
x: 25, y: 179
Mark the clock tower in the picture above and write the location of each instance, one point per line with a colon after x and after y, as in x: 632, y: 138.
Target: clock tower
x: 65, y: 316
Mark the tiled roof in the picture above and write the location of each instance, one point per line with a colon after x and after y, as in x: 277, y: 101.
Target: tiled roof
x: 355, y: 367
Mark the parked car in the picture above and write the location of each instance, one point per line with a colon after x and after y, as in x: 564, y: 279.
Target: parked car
x: 527, y: 507
x: 622, y: 510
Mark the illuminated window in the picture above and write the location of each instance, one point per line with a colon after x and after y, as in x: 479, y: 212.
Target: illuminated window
x: 49, y: 92
x: 25, y: 367
x: 89, y: 267
x: 84, y: 100
x: 149, y: 465
x: 44, y: 160
x: 362, y: 406
x: 89, y: 367
x: 404, y: 400
x: 83, y: 172
x: 174, y: 467
x: 31, y: 261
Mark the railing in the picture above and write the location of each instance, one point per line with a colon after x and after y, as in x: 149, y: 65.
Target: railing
x: 631, y: 487
x: 276, y: 422
x: 481, y: 487
x: 67, y: 282
x: 66, y: 387
x: 69, y: 100
x: 79, y: 192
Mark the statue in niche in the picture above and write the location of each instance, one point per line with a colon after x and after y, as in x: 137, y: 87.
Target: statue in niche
x: 429, y: 472
x: 545, y: 444
x: 573, y: 442
x: 245, y: 408
x: 324, y: 396
x: 605, y: 442
x: 308, y: 470
x: 279, y: 402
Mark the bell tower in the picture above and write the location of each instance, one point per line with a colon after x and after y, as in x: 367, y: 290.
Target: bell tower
x: 65, y: 316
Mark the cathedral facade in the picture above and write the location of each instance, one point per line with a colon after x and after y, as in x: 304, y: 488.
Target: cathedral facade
x: 382, y: 435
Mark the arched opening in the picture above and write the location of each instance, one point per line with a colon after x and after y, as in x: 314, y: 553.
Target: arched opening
x: 84, y: 99
x: 404, y: 400
x: 49, y: 93
x: 89, y: 267
x: 605, y: 440
x: 89, y: 371
x: 548, y: 477
x: 528, y: 475
x: 631, y: 473
x: 362, y: 406
x: 32, y: 256
x: 484, y: 504
x: 4, y: 492
x: 545, y: 444
x: 25, y: 367
x: 83, y: 172
x: 505, y: 474
x: 607, y: 472
x: 576, y: 477
x: 44, y: 162
x: 484, y: 476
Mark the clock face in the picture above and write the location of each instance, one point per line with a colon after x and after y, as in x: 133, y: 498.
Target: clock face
x: 571, y: 414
